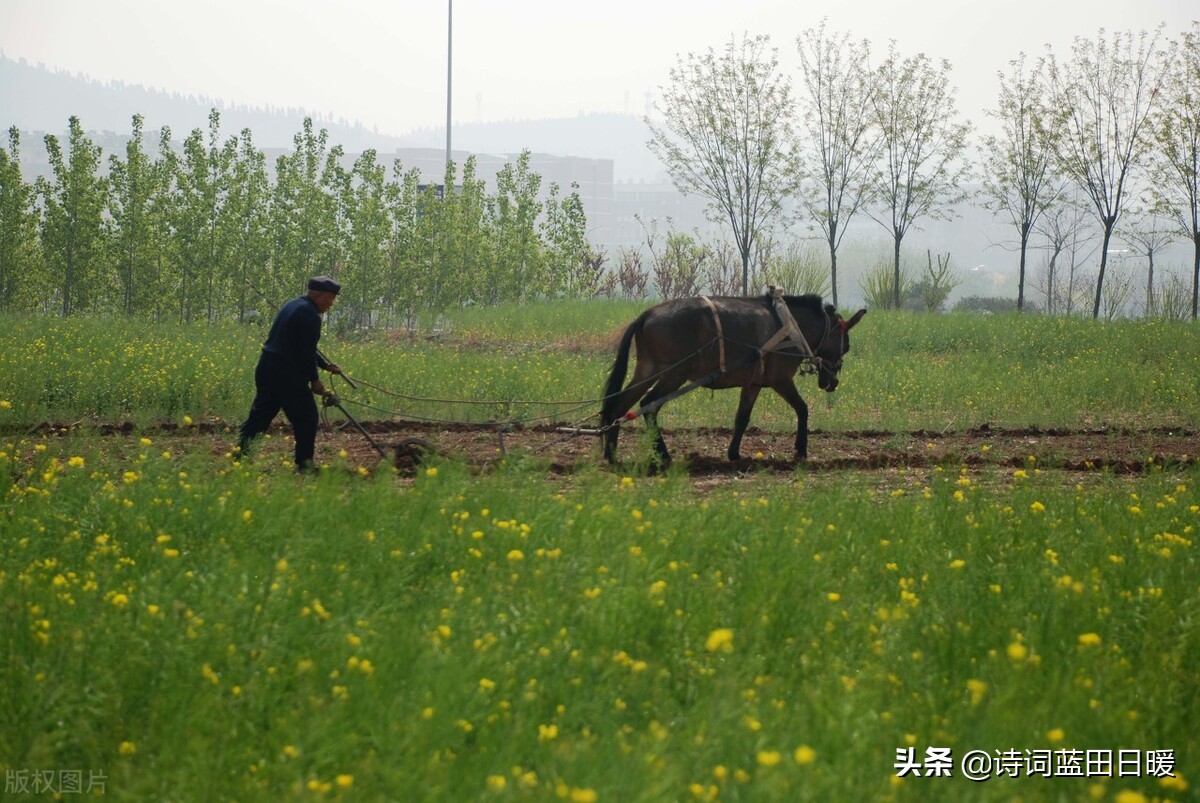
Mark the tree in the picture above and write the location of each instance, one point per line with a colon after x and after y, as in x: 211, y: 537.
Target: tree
x: 1106, y: 93
x: 512, y: 221
x: 247, y: 213
x: 726, y: 135
x: 134, y: 190
x: 836, y: 156
x: 922, y: 149
x: 202, y: 184
x: 73, y: 224
x: 18, y: 225
x: 1175, y: 164
x: 1147, y: 234
x: 1018, y: 180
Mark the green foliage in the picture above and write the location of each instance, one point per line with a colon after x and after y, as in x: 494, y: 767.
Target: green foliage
x: 18, y: 229
x: 205, y: 234
x: 799, y: 269
x: 73, y: 228
x: 878, y: 286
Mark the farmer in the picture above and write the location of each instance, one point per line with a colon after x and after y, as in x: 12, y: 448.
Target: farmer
x: 286, y: 375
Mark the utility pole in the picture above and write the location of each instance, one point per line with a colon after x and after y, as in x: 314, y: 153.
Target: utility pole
x: 449, y: 66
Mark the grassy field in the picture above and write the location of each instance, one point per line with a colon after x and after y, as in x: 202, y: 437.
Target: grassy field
x: 181, y: 626
x: 904, y: 372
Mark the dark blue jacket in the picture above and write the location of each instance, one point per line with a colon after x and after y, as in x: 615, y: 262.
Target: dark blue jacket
x: 293, y: 337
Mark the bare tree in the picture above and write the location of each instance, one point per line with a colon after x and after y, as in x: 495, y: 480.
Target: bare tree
x: 1105, y: 93
x: 1147, y: 234
x: 1175, y: 165
x: 1018, y: 181
x: 1068, y: 244
x: 726, y: 134
x: 922, y: 147
x: 838, y: 153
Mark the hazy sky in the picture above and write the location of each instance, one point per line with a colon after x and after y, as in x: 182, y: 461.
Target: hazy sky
x: 383, y: 62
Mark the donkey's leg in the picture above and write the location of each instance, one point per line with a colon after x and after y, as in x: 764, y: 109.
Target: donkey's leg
x: 787, y: 389
x: 661, y: 388
x: 742, y: 420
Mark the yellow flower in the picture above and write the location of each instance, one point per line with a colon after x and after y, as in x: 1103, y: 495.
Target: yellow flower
x: 516, y: 554
x: 833, y: 596
x: 486, y: 684
x: 804, y: 755
x: 583, y: 796
x: 1089, y: 639
x: 497, y: 783
x: 75, y: 462
x: 345, y: 781
x: 5, y: 404
x: 547, y: 733
x: 432, y: 472
x: 957, y: 564
x: 720, y: 639
x: 768, y: 758
x: 1055, y: 735
x: 1017, y: 651
x: 1037, y: 507
x: 127, y: 749
x: 187, y: 420
x: 978, y: 688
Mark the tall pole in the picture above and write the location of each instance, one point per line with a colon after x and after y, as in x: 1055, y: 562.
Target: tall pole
x: 449, y: 65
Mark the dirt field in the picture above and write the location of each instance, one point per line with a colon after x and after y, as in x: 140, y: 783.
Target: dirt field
x: 876, y: 456
x: 1120, y: 452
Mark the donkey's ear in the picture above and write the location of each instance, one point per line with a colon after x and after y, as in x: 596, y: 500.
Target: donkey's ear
x: 854, y: 319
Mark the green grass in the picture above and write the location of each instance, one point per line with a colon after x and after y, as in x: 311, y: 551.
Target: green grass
x: 202, y: 631
x: 549, y: 361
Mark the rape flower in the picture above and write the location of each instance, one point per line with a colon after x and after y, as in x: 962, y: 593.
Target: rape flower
x: 1089, y: 639
x: 1055, y: 735
x: 127, y: 749
x: 1017, y: 652
x: 720, y: 639
x: 1037, y: 507
x: 432, y: 472
x: 804, y: 755
x: 978, y: 689
x: 345, y: 781
x: 75, y: 462
x: 497, y: 783
x: 768, y: 758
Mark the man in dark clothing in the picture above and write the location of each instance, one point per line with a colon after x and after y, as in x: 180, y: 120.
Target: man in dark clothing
x: 286, y: 375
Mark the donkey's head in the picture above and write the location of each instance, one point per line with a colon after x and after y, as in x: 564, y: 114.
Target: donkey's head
x: 835, y: 346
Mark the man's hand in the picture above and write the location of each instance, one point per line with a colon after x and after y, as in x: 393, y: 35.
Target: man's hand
x: 333, y: 368
x: 318, y: 388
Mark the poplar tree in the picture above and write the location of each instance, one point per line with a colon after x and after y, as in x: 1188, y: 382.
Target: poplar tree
x: 246, y: 216
x: 72, y: 232
x: 18, y: 227
x: 133, y: 181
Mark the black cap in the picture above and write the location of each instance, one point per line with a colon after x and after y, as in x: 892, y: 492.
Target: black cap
x: 324, y: 284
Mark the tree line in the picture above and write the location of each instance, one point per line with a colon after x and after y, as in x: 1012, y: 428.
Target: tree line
x: 1107, y: 135
x: 204, y: 231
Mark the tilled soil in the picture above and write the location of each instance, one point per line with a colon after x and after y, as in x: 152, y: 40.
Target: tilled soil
x: 702, y: 451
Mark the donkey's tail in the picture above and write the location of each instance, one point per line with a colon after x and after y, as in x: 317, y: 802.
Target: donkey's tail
x: 616, y: 378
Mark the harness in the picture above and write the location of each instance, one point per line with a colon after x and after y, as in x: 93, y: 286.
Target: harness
x: 788, y: 331
x: 720, y: 333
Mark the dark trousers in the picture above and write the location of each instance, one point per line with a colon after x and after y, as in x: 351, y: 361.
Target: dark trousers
x: 278, y: 388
